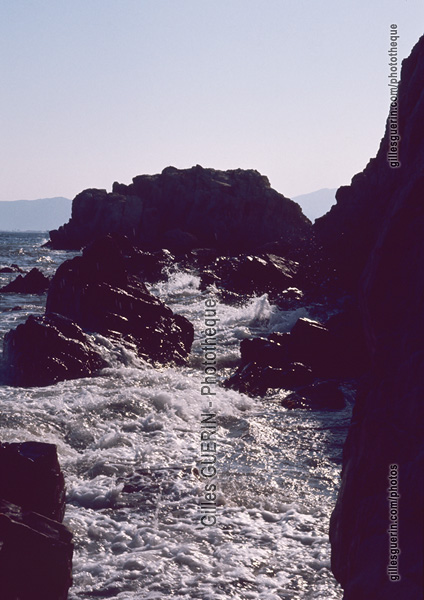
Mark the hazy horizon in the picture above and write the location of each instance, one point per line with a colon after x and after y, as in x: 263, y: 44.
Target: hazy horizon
x: 102, y: 91
x: 45, y: 214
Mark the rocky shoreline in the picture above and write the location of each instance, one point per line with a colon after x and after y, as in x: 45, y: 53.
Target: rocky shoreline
x: 362, y: 260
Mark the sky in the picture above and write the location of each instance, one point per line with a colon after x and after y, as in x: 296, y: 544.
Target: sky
x: 97, y: 91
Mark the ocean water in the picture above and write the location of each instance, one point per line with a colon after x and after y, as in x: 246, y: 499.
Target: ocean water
x: 129, y: 443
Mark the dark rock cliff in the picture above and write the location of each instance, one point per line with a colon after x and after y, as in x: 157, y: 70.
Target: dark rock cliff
x: 375, y: 236
x: 183, y: 209
x: 349, y: 231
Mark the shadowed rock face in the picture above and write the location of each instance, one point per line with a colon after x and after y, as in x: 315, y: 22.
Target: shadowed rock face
x: 310, y: 353
x: 386, y: 242
x: 183, y: 209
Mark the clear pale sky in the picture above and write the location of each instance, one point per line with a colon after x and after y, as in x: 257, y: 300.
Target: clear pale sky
x: 96, y: 91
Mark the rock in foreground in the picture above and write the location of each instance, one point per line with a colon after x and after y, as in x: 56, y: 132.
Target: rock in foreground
x: 35, y: 547
x: 30, y: 476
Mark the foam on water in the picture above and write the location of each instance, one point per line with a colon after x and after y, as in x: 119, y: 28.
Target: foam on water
x: 129, y: 445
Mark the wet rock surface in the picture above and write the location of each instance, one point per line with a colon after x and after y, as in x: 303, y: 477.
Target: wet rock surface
x: 48, y: 349
x: 249, y: 274
x: 103, y: 292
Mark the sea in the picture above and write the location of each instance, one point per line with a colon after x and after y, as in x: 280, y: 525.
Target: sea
x: 145, y: 523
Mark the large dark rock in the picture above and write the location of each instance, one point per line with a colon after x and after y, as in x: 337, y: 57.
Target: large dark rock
x: 48, y: 349
x: 248, y: 379
x: 150, y: 266
x: 100, y: 292
x: 35, y: 548
x: 386, y: 435
x: 33, y: 282
x: 312, y: 343
x: 179, y: 209
x: 256, y: 378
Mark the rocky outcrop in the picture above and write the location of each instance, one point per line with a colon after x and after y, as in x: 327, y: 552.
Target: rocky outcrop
x: 48, y: 349
x: 184, y: 209
x: 35, y: 547
x: 379, y: 511
x: 31, y: 478
x: 33, y: 282
x: 102, y: 292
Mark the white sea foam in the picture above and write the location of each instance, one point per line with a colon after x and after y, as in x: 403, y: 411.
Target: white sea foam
x: 129, y: 444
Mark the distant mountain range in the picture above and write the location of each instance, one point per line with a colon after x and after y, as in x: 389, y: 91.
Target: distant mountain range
x: 34, y: 215
x: 317, y: 203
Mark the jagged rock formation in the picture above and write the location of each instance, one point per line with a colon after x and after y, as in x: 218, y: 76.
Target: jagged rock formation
x: 184, y: 209
x: 377, y: 229
x: 35, y: 547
